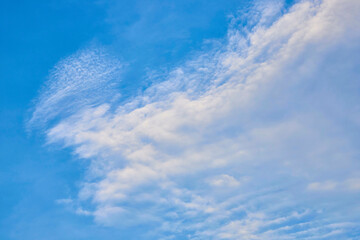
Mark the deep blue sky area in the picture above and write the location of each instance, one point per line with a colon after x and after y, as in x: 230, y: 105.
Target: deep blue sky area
x: 35, y: 35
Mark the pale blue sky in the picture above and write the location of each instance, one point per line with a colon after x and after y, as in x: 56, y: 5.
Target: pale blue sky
x: 179, y: 119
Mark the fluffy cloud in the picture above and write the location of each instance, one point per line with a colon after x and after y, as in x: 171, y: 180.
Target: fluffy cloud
x: 234, y: 143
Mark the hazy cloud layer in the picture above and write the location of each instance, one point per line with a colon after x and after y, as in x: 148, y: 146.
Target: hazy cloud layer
x: 255, y: 140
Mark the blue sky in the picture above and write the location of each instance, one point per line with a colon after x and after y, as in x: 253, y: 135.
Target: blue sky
x: 180, y: 119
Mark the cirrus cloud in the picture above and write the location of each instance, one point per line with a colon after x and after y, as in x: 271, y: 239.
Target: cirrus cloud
x: 230, y: 143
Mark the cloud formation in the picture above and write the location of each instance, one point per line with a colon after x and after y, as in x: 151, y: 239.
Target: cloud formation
x: 248, y: 141
x: 86, y: 78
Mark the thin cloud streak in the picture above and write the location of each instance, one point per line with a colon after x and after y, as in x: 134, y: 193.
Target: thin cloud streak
x: 86, y: 78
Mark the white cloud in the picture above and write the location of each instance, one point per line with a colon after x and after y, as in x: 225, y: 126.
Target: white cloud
x: 83, y: 79
x: 279, y: 104
x: 322, y: 186
x: 353, y: 184
x: 224, y: 180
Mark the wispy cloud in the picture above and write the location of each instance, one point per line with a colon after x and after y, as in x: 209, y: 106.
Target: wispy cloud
x: 229, y: 145
x: 86, y: 78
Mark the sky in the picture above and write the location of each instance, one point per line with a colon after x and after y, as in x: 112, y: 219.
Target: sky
x: 178, y: 119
